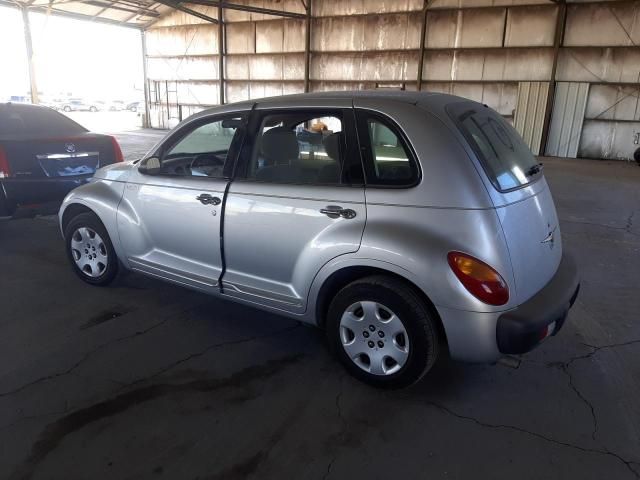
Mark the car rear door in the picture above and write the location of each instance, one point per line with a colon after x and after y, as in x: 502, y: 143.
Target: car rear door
x: 169, y: 221
x: 296, y: 203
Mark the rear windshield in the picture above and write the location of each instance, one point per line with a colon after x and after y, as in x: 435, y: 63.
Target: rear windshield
x: 507, y: 160
x: 40, y: 121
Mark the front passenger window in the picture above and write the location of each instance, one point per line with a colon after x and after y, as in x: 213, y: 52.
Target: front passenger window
x: 202, y: 152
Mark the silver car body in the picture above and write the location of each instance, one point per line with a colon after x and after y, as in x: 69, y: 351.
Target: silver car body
x: 279, y: 250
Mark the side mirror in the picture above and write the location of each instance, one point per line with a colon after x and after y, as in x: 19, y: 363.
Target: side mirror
x: 150, y: 166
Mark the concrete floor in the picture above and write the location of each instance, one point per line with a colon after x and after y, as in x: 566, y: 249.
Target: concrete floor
x: 147, y: 380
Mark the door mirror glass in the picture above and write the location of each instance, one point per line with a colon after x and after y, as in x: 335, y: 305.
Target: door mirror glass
x: 150, y: 166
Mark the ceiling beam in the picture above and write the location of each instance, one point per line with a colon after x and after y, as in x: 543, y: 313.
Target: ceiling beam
x: 116, y: 6
x: 182, y: 8
x: 249, y: 8
x: 76, y: 16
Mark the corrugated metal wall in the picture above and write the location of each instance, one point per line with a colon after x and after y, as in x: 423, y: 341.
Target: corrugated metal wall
x: 566, y: 120
x: 486, y: 50
x: 530, y: 111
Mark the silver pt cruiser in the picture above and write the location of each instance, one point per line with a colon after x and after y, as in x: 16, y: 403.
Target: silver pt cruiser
x: 401, y: 223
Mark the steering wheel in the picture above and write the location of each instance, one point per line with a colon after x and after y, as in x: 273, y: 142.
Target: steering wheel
x: 207, y: 160
x: 206, y: 165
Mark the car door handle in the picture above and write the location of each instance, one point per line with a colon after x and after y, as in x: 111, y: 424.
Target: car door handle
x: 207, y: 199
x: 335, y: 211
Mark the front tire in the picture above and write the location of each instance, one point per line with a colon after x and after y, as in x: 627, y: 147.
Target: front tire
x: 382, y: 332
x: 90, y: 250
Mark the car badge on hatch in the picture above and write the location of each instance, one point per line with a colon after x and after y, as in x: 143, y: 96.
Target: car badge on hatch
x: 549, y: 238
x: 70, y: 147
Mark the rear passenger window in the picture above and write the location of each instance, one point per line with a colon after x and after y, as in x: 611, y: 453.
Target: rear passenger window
x: 299, y: 148
x: 388, y: 160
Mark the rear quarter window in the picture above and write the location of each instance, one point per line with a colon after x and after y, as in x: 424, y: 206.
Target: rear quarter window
x: 37, y: 121
x: 506, y: 159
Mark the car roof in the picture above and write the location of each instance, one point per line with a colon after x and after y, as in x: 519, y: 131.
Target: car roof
x: 429, y: 100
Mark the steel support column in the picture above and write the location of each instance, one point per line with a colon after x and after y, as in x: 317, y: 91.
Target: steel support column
x: 221, y: 49
x: 561, y: 22
x: 32, y: 70
x: 423, y: 33
x: 146, y: 121
x: 307, y: 45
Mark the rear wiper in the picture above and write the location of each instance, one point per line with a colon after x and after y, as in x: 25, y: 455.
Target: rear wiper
x: 534, y: 170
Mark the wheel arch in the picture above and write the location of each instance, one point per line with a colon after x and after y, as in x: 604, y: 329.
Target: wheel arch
x: 347, y: 274
x: 72, y: 210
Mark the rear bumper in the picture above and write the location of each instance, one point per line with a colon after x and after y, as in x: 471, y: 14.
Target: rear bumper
x: 16, y: 192
x: 483, y: 337
x: 523, y: 328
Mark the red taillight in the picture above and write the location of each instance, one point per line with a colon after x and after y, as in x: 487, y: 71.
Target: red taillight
x: 117, y: 150
x: 5, y: 171
x: 482, y: 281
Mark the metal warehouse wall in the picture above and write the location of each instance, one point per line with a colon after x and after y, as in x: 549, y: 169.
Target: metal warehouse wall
x: 500, y: 52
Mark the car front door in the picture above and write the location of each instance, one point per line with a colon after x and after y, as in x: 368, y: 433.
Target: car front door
x: 169, y: 221
x: 296, y: 203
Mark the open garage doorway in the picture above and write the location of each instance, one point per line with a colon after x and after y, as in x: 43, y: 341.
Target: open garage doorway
x: 90, y: 72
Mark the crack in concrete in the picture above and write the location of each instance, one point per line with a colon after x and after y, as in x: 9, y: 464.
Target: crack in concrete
x: 54, y: 433
x: 630, y: 222
x: 627, y: 463
x: 597, y: 348
x: 343, y: 430
x: 85, y: 357
x: 128, y: 385
x: 209, y: 348
x: 565, y: 369
x: 626, y: 228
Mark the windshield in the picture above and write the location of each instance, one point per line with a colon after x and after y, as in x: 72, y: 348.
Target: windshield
x: 507, y: 160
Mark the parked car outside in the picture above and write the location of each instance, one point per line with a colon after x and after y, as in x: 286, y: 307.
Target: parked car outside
x: 416, y: 222
x: 79, y: 105
x: 117, y: 106
x: 54, y: 104
x: 133, y: 106
x: 44, y: 155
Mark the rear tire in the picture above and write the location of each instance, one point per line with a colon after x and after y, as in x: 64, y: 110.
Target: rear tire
x: 382, y: 332
x: 89, y: 250
x: 93, y: 109
x: 6, y: 210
